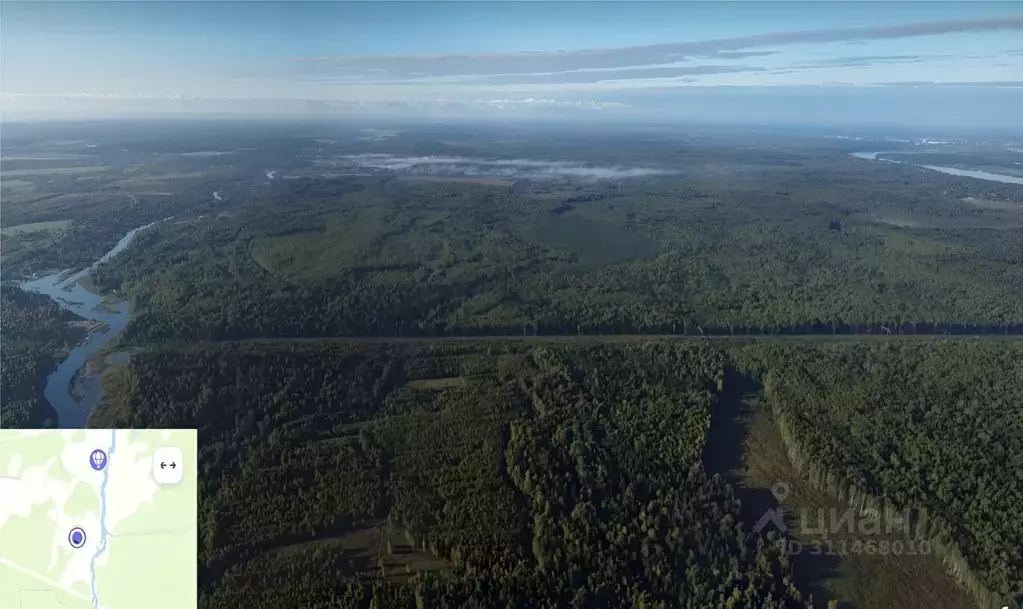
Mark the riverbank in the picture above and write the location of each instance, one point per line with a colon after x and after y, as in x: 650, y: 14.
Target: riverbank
x: 71, y: 390
x: 114, y: 382
x: 87, y: 284
x: 965, y: 173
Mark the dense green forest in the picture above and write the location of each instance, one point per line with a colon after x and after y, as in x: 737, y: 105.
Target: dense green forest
x: 356, y: 257
x: 455, y: 476
x: 481, y: 474
x: 782, y: 237
x: 33, y: 334
x: 750, y: 234
x: 932, y: 427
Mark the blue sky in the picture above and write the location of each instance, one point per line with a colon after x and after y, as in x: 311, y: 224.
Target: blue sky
x: 501, y: 58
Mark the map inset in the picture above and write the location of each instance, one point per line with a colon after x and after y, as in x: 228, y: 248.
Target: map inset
x: 100, y: 519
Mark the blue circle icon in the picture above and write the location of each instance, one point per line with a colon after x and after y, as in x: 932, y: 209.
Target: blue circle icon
x: 98, y: 459
x: 76, y: 537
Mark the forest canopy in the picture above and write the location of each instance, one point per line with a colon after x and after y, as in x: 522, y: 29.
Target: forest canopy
x: 458, y: 474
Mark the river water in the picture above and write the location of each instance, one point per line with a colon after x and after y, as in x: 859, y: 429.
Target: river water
x: 966, y: 173
x: 65, y: 291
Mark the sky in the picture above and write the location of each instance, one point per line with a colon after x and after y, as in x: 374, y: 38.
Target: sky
x: 932, y: 63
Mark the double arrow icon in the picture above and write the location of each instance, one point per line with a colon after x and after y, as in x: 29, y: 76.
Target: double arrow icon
x: 168, y: 464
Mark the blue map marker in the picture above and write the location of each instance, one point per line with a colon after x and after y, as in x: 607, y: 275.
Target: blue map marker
x: 98, y: 459
x: 76, y: 537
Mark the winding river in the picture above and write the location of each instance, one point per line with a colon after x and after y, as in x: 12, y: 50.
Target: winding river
x: 66, y: 292
x: 966, y: 173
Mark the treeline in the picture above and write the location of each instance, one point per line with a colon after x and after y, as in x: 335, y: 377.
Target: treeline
x: 33, y: 334
x: 457, y: 476
x: 936, y: 428
x: 609, y: 462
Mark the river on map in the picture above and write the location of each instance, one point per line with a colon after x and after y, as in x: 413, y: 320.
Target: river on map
x: 966, y: 173
x: 65, y: 291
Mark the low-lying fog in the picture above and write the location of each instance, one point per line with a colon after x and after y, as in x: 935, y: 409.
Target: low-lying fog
x: 514, y: 168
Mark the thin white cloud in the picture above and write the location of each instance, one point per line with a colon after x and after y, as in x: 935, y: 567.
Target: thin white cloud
x: 591, y: 75
x: 403, y: 68
x: 504, y: 168
x: 531, y: 102
x: 1008, y: 84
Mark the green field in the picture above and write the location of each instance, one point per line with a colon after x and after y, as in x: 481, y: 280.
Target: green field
x: 17, y: 184
x: 42, y: 157
x: 85, y: 169
x: 52, y: 226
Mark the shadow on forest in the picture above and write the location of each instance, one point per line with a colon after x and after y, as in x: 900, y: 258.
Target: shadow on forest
x: 723, y: 454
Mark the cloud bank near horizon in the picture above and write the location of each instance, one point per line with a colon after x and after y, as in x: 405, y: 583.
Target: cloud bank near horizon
x: 650, y: 81
x: 944, y: 107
